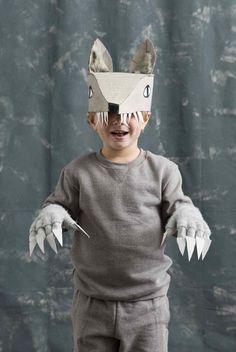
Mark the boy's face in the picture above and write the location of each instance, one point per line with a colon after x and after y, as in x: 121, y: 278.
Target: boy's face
x: 116, y: 135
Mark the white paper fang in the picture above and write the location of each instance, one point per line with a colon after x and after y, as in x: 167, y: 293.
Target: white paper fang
x: 106, y: 117
x: 125, y: 118
x: 129, y: 117
x: 140, y: 116
x: 135, y: 116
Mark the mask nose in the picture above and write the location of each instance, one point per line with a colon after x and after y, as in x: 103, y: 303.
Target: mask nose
x: 113, y: 108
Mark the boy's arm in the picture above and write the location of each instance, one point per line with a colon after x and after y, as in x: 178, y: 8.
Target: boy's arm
x: 182, y: 218
x: 57, y: 214
x: 66, y: 194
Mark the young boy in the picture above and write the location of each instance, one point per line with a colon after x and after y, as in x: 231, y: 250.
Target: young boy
x: 122, y: 197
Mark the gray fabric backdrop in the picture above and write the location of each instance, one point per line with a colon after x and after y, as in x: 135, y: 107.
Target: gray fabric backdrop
x: 44, y: 47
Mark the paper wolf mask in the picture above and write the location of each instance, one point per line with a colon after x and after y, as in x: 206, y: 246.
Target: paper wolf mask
x: 123, y: 93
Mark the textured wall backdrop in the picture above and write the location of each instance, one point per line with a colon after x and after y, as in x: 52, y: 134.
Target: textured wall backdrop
x: 44, y: 47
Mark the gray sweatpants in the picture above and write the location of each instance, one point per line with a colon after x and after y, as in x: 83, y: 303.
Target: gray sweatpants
x: 117, y: 326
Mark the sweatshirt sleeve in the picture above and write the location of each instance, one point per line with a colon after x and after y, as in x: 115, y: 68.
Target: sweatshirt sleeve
x: 172, y: 193
x: 66, y: 194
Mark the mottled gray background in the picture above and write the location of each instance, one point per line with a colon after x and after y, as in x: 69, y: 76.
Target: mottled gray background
x: 44, y: 47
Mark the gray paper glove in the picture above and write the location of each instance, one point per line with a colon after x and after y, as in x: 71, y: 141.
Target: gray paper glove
x: 48, y: 225
x: 191, y: 229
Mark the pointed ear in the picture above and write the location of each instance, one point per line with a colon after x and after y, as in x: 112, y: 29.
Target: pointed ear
x: 144, y: 58
x: 99, y: 60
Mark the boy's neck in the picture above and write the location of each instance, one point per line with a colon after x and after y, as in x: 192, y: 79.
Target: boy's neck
x: 121, y: 156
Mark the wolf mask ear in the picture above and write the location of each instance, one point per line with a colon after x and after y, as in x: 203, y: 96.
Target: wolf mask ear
x: 100, y: 60
x: 144, y: 59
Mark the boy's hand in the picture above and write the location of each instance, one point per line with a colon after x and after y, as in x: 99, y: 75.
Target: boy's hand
x: 48, y: 224
x: 191, y: 229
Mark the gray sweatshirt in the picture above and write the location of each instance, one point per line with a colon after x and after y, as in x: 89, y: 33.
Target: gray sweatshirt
x: 124, y: 208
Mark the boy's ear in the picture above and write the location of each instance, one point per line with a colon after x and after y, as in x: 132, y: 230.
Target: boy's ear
x: 99, y: 60
x: 144, y: 58
x: 92, y: 121
x: 146, y: 118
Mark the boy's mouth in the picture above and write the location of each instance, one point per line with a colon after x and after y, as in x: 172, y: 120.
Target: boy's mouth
x: 119, y: 133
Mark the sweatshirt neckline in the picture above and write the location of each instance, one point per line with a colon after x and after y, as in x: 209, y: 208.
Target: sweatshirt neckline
x: 111, y: 164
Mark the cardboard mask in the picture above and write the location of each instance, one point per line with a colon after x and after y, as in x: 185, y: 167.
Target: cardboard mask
x: 123, y: 93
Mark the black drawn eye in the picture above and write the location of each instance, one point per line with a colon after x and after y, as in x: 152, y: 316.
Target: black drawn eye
x: 90, y: 92
x: 147, y: 91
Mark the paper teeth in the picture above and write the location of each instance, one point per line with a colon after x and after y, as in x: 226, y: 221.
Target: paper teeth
x: 102, y: 117
x: 140, y: 116
x: 106, y: 117
x: 135, y: 116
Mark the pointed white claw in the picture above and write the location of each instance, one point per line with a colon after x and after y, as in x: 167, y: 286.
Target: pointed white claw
x: 57, y: 230
x: 206, y: 247
x: 40, y: 237
x: 51, y: 241
x: 32, y: 244
x: 190, y: 246
x: 77, y: 227
x: 181, y: 241
x: 199, y: 244
x: 164, y: 237
x: 169, y: 231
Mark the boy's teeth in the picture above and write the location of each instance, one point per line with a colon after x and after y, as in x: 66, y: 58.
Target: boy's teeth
x: 120, y: 133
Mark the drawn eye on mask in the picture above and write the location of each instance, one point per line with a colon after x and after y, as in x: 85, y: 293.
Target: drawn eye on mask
x: 90, y: 92
x: 129, y: 92
x: 147, y: 91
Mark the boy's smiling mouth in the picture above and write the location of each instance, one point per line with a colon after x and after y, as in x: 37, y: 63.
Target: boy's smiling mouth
x: 119, y: 133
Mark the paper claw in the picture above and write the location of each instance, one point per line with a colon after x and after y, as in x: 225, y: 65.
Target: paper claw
x: 32, y: 244
x: 200, y: 245
x: 206, y: 247
x: 57, y: 230
x: 77, y: 227
x: 51, y: 241
x: 164, y: 237
x: 169, y: 231
x: 181, y: 241
x: 40, y: 237
x: 190, y: 246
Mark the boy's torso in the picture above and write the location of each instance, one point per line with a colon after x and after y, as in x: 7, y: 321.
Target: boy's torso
x: 120, y: 206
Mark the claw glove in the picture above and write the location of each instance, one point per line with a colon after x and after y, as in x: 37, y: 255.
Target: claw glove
x: 48, y: 225
x: 191, y: 230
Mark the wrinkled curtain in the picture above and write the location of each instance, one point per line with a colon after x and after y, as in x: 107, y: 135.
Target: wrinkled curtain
x: 44, y: 48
